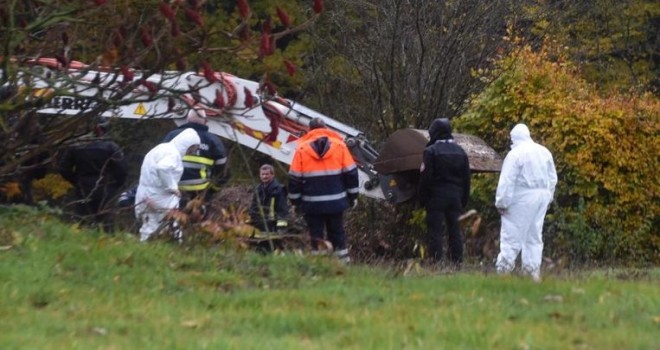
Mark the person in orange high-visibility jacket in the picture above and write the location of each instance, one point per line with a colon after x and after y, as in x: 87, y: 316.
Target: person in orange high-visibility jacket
x: 323, y: 183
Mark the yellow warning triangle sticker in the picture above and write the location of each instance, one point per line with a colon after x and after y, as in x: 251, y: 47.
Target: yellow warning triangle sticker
x: 140, y: 110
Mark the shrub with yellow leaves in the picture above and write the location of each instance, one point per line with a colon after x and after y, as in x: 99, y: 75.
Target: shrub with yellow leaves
x: 606, y: 150
x: 51, y: 186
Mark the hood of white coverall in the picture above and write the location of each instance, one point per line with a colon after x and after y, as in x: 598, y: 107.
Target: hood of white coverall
x: 185, y: 139
x: 520, y: 133
x: 528, y: 166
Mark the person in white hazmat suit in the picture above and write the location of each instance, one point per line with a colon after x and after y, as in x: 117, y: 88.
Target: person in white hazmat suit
x: 524, y: 192
x: 158, y: 191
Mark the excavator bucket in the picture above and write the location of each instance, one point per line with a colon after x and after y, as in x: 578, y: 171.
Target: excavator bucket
x: 400, y: 159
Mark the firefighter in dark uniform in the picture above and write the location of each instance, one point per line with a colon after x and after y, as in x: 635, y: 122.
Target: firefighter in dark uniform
x: 444, y: 189
x: 96, y: 166
x: 269, y: 208
x: 203, y: 172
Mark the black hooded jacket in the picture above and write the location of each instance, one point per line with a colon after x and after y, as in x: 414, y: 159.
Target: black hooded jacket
x: 445, y: 170
x: 92, y: 162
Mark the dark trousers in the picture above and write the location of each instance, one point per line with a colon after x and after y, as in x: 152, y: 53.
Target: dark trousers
x: 91, y: 206
x: 334, y: 223
x: 441, y: 212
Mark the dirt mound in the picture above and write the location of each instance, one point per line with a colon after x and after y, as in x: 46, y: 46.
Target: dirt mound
x: 238, y: 196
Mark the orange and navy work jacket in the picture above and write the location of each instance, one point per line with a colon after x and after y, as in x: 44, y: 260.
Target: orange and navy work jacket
x: 323, y: 176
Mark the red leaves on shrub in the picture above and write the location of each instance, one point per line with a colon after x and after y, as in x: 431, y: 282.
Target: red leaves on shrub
x: 100, y: 2
x: 151, y: 86
x: 219, y: 99
x: 274, y: 130
x: 284, y: 17
x: 128, y: 74
x: 318, y: 6
x: 290, y: 67
x: 267, y: 26
x: 249, y: 99
x: 243, y: 9
x: 145, y: 36
x: 117, y: 38
x: 209, y: 74
x: 265, y: 48
x: 167, y: 11
x: 195, y: 16
x: 268, y: 87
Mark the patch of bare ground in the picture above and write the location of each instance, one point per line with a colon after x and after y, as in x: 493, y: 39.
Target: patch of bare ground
x: 237, y: 196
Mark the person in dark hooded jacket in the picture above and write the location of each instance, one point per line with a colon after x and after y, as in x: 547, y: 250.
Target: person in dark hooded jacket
x: 444, y: 189
x: 96, y: 166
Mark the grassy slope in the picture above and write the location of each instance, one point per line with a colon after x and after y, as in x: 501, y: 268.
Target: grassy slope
x: 65, y: 288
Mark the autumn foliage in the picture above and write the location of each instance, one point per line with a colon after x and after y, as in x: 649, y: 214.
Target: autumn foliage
x: 606, y: 150
x: 136, y: 39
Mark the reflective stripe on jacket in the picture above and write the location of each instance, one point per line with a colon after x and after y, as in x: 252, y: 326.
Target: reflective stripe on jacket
x: 323, y: 176
x: 209, y: 160
x: 196, y: 173
x: 269, y: 202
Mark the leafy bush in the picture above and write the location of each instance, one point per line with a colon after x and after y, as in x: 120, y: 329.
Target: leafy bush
x: 606, y: 153
x: 52, y: 186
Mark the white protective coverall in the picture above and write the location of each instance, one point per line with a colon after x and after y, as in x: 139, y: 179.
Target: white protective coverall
x: 524, y: 192
x: 157, y: 192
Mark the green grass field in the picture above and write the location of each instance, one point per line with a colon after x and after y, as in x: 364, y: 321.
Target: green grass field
x: 68, y: 288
